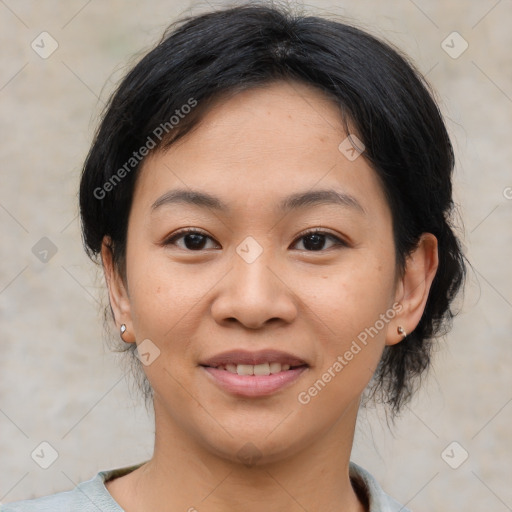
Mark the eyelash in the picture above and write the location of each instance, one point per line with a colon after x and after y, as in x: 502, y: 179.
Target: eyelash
x: 338, y: 242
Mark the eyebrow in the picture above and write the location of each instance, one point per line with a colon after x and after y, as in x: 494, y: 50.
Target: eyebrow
x: 291, y: 202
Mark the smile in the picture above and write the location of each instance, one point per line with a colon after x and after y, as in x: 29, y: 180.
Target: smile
x: 253, y: 380
x: 255, y: 369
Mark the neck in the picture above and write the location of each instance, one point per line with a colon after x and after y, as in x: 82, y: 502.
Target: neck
x: 184, y: 475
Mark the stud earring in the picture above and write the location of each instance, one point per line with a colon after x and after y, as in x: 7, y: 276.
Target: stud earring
x: 123, y: 330
x: 401, y: 331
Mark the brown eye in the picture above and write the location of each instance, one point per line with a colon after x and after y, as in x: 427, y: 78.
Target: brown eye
x: 315, y: 240
x: 193, y: 239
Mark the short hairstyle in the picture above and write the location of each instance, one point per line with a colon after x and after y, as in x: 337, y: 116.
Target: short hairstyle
x: 384, y: 99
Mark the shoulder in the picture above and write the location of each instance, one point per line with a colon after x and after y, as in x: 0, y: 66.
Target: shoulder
x: 85, y: 497
x: 60, y: 502
x: 88, y: 496
x: 378, y: 500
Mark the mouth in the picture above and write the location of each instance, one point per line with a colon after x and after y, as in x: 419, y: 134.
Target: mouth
x: 262, y: 361
x: 254, y: 374
x: 268, y: 368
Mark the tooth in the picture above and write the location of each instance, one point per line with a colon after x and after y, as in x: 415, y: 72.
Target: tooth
x: 258, y: 369
x: 262, y: 369
x: 275, y: 367
x: 231, y: 368
x: 244, y: 369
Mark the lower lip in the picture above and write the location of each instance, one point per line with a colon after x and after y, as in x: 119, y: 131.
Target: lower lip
x: 253, y: 385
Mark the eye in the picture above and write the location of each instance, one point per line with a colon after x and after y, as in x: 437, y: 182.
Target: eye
x: 315, y: 240
x: 194, y: 239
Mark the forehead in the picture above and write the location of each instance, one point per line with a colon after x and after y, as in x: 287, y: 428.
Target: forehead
x: 260, y: 145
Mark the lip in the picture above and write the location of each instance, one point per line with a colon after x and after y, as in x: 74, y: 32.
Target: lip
x: 253, y: 385
x: 248, y: 357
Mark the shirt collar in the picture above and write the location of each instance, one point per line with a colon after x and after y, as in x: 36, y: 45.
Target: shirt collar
x: 363, y: 481
x: 378, y: 500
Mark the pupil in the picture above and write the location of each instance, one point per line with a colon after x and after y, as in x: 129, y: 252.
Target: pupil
x: 197, y: 241
x: 318, y: 241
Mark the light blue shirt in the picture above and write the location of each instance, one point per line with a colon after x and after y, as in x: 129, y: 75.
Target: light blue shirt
x: 93, y: 496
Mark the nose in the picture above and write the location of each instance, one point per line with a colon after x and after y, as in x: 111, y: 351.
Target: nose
x: 255, y: 293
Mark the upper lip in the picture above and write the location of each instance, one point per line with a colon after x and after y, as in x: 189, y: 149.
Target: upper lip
x: 248, y: 357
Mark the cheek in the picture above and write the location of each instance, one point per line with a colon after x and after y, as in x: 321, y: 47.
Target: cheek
x: 354, y: 296
x: 351, y: 337
x: 353, y: 309
x: 162, y: 296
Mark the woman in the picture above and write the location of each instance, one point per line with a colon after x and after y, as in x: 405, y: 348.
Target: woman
x: 269, y: 195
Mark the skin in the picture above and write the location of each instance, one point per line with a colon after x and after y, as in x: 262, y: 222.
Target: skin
x: 250, y: 151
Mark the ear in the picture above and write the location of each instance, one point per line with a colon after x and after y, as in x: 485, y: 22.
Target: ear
x: 413, y: 288
x: 118, y: 295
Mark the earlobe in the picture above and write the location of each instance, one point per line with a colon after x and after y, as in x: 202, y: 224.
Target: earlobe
x: 118, y: 296
x: 122, y: 333
x: 414, y: 287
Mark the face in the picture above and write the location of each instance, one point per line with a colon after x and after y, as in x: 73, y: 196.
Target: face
x: 252, y: 275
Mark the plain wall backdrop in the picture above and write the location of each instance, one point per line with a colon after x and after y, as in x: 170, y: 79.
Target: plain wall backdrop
x: 60, y: 384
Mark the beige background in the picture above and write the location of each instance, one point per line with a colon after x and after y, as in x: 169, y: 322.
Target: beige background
x: 60, y: 384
